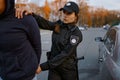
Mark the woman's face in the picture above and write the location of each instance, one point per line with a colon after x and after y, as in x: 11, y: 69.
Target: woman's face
x: 69, y: 17
x: 2, y: 6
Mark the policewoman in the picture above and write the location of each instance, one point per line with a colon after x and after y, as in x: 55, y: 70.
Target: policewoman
x: 66, y: 37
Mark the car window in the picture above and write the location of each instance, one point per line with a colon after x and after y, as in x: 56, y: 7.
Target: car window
x: 109, y: 40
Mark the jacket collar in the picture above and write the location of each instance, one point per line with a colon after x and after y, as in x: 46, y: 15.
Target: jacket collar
x: 70, y: 27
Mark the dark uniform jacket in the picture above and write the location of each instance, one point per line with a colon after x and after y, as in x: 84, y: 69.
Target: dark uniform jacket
x: 64, y: 44
x: 20, y: 47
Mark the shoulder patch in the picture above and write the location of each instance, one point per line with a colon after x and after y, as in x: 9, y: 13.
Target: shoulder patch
x: 74, y: 40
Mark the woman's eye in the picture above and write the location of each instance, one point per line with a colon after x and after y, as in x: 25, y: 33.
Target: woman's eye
x: 67, y: 13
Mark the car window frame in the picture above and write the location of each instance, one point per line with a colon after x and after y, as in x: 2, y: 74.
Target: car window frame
x: 107, y: 41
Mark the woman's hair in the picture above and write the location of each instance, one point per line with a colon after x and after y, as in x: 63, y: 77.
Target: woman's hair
x: 77, y: 18
x: 76, y: 21
x: 57, y: 28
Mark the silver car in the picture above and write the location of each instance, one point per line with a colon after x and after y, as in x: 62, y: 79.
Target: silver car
x: 109, y: 54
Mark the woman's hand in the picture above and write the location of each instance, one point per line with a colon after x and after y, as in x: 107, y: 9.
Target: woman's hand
x: 19, y: 11
x: 38, y: 70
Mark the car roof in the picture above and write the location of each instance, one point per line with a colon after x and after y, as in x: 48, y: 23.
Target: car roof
x: 116, y: 27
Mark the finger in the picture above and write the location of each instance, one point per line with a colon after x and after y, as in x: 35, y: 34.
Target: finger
x: 16, y: 13
x: 38, y: 70
x: 26, y: 13
x: 21, y: 13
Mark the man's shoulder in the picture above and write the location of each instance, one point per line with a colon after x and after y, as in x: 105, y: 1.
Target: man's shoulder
x: 28, y: 20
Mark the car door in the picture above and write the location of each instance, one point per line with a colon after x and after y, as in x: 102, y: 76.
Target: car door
x: 106, y: 51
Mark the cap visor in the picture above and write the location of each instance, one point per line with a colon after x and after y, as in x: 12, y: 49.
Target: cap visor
x: 66, y: 9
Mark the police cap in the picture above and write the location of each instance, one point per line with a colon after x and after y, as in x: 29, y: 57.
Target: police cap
x: 71, y: 7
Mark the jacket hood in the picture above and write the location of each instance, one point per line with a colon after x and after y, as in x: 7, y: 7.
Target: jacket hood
x: 9, y: 8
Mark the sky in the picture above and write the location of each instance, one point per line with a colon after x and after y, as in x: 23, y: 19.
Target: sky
x: 108, y: 4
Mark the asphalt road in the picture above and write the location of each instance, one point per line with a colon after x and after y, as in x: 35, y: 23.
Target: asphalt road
x: 89, y: 67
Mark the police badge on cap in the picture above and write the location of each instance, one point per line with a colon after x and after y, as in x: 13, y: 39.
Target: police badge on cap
x: 68, y: 4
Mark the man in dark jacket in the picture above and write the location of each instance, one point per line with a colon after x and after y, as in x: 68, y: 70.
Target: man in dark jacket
x: 20, y: 47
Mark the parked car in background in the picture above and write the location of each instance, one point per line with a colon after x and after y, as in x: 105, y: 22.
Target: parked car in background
x: 82, y: 28
x: 106, y: 27
x: 109, y: 54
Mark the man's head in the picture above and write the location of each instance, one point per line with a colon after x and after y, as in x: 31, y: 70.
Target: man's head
x: 6, y: 7
x: 2, y: 6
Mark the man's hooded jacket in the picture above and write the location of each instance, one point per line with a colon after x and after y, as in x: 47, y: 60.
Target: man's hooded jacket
x: 20, y: 47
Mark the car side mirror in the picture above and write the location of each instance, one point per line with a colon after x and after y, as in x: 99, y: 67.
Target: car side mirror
x: 98, y: 39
